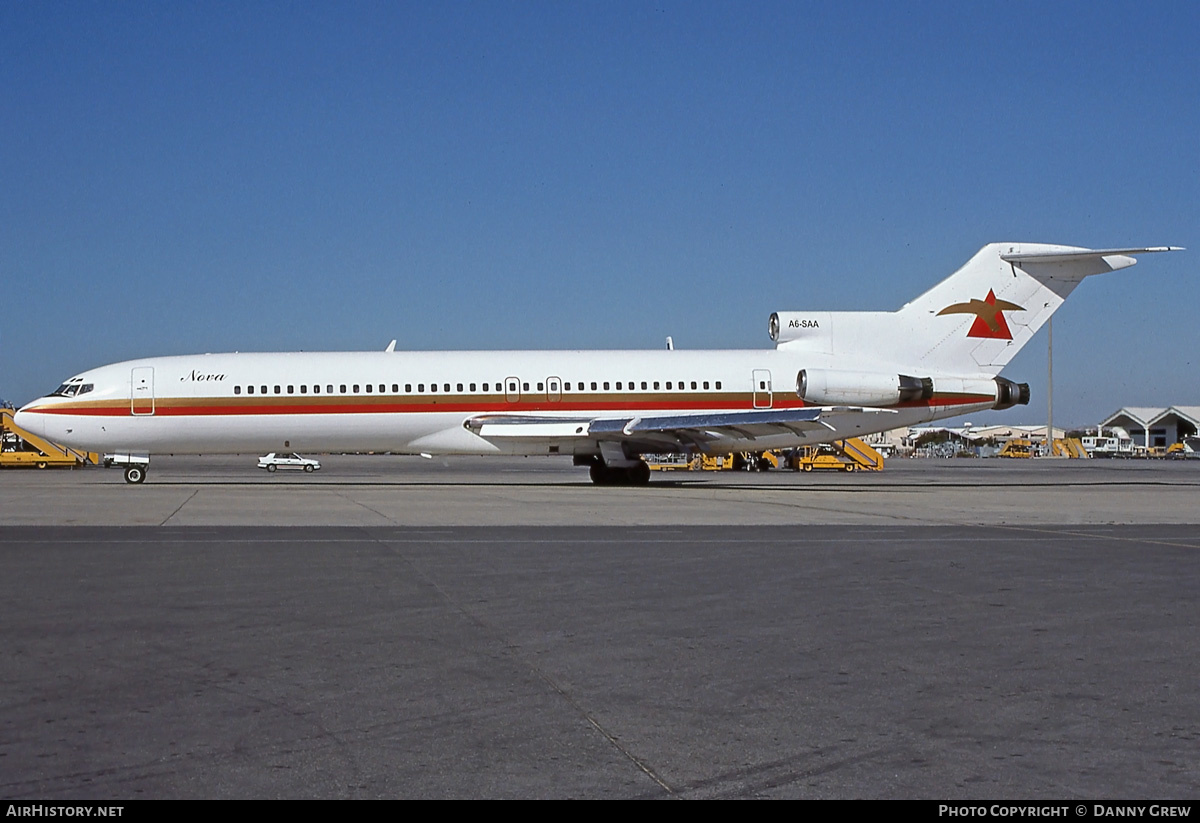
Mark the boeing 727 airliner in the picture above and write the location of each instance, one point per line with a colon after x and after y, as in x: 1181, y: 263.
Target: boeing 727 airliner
x: 831, y: 375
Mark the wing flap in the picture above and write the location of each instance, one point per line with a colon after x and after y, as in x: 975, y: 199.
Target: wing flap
x: 666, y: 430
x: 528, y: 428
x: 746, y: 425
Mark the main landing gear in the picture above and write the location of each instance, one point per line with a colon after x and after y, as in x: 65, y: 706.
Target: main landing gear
x: 135, y: 473
x: 635, y: 475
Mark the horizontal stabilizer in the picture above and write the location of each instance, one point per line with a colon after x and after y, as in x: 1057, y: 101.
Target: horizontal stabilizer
x: 1082, y: 254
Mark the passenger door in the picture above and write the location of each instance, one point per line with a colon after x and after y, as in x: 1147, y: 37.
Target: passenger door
x: 141, y: 391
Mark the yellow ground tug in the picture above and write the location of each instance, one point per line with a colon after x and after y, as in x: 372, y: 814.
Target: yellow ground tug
x: 672, y: 462
x: 849, y: 455
x: 1017, y: 447
x: 738, y: 461
x: 1025, y: 447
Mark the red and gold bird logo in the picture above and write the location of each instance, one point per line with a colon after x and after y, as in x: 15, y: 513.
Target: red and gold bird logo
x: 989, y: 317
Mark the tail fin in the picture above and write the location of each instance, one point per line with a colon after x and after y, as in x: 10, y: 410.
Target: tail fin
x: 979, y: 318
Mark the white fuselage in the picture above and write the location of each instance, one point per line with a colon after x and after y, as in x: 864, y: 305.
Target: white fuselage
x: 418, y: 402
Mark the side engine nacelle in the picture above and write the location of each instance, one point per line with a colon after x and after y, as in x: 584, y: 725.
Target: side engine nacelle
x: 1003, y: 393
x: 824, y: 387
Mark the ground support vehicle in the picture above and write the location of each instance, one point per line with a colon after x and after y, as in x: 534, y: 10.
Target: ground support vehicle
x: 849, y: 455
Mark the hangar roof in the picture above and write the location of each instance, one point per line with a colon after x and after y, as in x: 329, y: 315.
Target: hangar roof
x: 1147, y: 416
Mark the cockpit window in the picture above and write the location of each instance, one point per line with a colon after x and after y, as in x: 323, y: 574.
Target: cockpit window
x: 72, y: 388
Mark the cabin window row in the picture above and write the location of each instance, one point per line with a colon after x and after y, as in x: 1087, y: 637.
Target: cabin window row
x: 370, y: 388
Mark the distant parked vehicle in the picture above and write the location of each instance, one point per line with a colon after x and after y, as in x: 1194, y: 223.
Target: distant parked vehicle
x: 1119, y: 444
x: 1187, y: 449
x: 275, y: 460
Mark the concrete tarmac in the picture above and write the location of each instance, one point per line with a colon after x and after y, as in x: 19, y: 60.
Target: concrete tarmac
x: 391, y: 627
x: 384, y: 490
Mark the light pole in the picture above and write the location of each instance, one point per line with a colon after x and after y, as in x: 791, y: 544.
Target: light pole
x: 1050, y: 388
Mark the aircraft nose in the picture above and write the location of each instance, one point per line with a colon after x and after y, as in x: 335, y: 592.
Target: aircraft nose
x: 30, y: 422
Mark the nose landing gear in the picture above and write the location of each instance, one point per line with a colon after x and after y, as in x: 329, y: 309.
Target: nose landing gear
x: 134, y: 464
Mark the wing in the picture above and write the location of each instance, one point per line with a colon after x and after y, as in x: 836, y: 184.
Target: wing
x: 683, y: 432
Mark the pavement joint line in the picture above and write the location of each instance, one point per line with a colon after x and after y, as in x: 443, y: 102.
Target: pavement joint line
x: 773, y: 774
x: 885, y: 518
x: 365, y: 506
x: 1071, y: 531
x: 514, y: 651
x: 179, y: 507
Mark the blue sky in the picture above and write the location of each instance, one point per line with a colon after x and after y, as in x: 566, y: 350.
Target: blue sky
x: 190, y: 177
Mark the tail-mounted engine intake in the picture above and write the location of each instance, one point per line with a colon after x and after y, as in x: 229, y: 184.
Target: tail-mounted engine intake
x: 824, y: 387
x: 785, y: 326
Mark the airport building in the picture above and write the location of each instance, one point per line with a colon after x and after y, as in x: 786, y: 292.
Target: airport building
x: 1156, y: 427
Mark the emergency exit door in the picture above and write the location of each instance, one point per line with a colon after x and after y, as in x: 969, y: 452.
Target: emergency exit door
x: 762, y: 388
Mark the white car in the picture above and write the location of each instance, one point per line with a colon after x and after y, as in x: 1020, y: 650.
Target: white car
x: 274, y: 461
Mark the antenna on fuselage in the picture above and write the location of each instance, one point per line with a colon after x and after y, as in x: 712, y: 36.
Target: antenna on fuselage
x: 670, y: 343
x: 391, y: 346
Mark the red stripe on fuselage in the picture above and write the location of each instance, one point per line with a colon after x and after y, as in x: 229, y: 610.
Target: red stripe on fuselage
x: 169, y: 407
